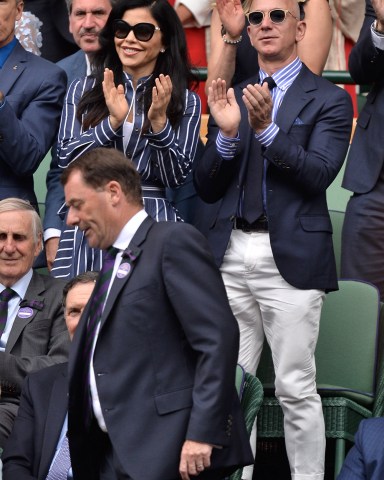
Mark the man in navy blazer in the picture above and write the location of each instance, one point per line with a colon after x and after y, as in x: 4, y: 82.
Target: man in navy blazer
x: 365, y: 460
x: 154, y: 398
x: 275, y: 143
x: 39, y: 425
x: 86, y: 19
x: 362, y: 254
x: 31, y: 98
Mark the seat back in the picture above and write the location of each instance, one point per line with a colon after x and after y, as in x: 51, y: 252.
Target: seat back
x: 346, y: 352
x: 251, y: 396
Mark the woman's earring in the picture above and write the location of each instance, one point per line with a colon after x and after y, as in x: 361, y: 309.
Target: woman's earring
x: 162, y: 50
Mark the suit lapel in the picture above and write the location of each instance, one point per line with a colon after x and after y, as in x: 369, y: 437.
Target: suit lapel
x: 298, y: 95
x: 119, y: 283
x: 13, y: 68
x: 57, y: 410
x: 34, y: 291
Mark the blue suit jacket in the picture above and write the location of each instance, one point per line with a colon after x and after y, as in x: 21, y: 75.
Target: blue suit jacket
x: 74, y: 66
x: 366, y: 156
x: 32, y: 444
x: 315, y: 120
x: 171, y: 376
x: 29, y: 119
x: 365, y: 460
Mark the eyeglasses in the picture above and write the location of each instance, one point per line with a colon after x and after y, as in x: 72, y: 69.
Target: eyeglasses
x: 277, y: 15
x: 142, y: 31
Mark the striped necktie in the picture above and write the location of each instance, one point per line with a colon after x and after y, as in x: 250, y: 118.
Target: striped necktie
x: 253, y: 207
x: 96, y: 310
x: 5, y: 297
x: 61, y: 464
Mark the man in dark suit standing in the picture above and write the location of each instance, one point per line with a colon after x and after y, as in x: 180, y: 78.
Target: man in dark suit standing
x: 86, y: 19
x: 365, y: 460
x: 33, y: 332
x: 275, y: 143
x: 362, y: 254
x: 152, y: 364
x: 40, y: 426
x: 31, y: 98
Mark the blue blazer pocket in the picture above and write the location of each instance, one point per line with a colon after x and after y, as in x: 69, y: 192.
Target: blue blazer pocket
x: 316, y: 223
x: 173, y: 401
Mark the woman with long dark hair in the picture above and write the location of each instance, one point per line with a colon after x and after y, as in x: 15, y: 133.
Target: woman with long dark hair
x: 138, y: 101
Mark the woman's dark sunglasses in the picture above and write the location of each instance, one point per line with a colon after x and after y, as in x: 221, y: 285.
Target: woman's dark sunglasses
x: 142, y: 31
x: 277, y: 15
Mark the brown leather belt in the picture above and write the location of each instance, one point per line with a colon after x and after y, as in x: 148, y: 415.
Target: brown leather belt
x: 259, y: 225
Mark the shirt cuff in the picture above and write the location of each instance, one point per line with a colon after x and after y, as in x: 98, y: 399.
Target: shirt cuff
x: 226, y: 147
x: 377, y: 38
x: 267, y: 136
x: 51, y: 233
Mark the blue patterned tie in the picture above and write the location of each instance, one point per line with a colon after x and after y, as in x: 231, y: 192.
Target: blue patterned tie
x: 5, y: 296
x: 96, y: 309
x: 61, y: 464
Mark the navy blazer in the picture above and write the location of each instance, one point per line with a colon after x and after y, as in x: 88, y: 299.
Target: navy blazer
x: 31, y: 446
x: 315, y: 121
x: 74, y: 66
x: 164, y: 362
x: 365, y: 460
x: 366, y: 155
x: 29, y: 119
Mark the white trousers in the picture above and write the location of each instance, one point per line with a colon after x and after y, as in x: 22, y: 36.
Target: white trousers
x: 265, y: 304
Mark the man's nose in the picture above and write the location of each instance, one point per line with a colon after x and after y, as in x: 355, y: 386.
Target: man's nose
x: 89, y: 20
x: 72, y: 218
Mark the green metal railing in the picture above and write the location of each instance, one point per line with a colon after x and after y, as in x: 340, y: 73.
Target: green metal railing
x: 333, y: 76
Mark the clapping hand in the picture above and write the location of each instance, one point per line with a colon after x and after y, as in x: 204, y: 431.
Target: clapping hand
x: 224, y: 108
x: 115, y: 100
x: 161, y: 96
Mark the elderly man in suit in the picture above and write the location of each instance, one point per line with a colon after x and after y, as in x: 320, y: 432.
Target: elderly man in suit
x: 275, y: 143
x: 31, y: 98
x: 365, y: 460
x: 86, y: 19
x: 32, y: 328
x: 362, y: 254
x: 41, y: 424
x: 152, y: 364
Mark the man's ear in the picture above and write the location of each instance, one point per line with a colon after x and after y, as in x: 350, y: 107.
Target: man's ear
x: 300, y: 30
x: 114, y: 190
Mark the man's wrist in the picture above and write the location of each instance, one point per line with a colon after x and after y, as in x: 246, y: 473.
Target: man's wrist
x: 378, y: 28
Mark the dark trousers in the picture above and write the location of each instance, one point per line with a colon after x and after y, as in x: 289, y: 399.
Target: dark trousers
x: 362, y: 252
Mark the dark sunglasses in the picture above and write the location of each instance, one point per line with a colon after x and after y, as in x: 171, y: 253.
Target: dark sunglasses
x: 142, y: 31
x: 277, y: 15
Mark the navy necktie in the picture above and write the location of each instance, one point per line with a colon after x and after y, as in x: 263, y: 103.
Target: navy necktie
x: 253, y: 207
x: 5, y: 297
x: 61, y: 464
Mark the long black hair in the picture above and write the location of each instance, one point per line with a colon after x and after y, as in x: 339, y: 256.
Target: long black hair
x: 173, y: 61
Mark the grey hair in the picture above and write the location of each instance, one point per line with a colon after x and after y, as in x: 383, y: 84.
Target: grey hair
x: 70, y: 2
x: 12, y: 204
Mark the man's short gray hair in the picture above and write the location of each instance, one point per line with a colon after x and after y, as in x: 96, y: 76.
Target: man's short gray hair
x: 70, y: 2
x: 17, y: 204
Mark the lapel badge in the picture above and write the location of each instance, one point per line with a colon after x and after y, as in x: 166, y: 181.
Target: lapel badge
x: 123, y: 270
